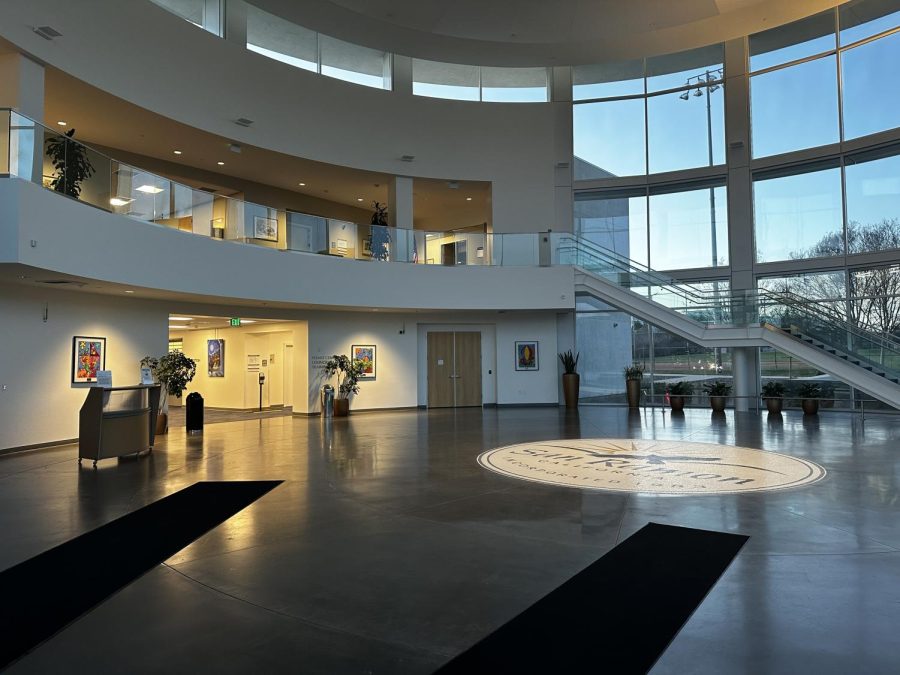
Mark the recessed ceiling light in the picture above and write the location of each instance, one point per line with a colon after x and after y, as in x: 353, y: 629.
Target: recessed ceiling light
x: 359, y: 199
x: 221, y: 163
x: 302, y: 184
x: 177, y: 152
x: 129, y: 291
x: 243, y: 321
x: 149, y: 189
x: 63, y: 124
x: 468, y: 199
x: 180, y: 318
x: 118, y: 201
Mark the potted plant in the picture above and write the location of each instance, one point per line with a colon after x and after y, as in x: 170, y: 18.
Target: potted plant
x: 348, y: 372
x: 773, y: 394
x: 677, y: 392
x: 718, y: 391
x: 70, y: 162
x: 809, y: 393
x: 571, y: 380
x: 634, y: 374
x: 173, y: 371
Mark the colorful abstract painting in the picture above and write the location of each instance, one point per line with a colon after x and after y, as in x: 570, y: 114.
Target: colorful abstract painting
x: 527, y: 355
x: 88, y: 357
x: 366, y: 354
x: 215, y: 358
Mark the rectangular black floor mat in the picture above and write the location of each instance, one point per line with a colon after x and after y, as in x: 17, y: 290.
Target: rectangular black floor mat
x: 616, y: 616
x: 42, y: 595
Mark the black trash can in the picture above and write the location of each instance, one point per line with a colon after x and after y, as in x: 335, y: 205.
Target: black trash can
x: 193, y: 413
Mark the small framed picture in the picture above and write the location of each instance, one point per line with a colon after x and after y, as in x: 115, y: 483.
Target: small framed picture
x: 366, y: 354
x: 527, y: 355
x: 215, y: 358
x: 265, y: 228
x: 88, y: 358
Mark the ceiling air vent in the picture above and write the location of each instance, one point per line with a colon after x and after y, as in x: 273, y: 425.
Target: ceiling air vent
x: 243, y: 122
x: 60, y: 282
x: 407, y: 158
x: 47, y: 32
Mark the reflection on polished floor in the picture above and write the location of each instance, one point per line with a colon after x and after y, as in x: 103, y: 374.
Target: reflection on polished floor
x: 388, y: 549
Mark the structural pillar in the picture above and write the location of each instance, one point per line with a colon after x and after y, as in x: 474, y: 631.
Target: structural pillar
x: 400, y: 216
x: 22, y: 89
x: 745, y: 365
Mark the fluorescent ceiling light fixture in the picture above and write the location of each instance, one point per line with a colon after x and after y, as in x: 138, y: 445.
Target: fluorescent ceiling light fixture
x: 243, y: 321
x: 118, y: 201
x: 149, y: 189
x: 63, y: 124
x: 180, y: 318
x: 129, y: 291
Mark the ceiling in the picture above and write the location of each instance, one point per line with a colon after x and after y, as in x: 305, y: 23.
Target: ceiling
x: 538, y: 32
x: 104, y: 120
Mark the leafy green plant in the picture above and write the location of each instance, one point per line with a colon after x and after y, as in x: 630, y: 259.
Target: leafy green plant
x: 569, y: 361
x: 173, y: 371
x: 717, y: 388
x: 809, y: 390
x: 348, y: 371
x: 634, y: 372
x: 682, y: 388
x: 71, y: 164
x: 772, y: 389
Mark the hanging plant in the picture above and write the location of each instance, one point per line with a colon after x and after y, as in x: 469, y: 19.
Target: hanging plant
x: 71, y: 164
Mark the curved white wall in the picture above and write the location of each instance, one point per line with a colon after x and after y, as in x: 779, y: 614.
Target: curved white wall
x: 44, y: 230
x: 143, y: 54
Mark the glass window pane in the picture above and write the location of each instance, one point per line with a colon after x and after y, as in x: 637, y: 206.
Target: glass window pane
x: 354, y: 63
x: 615, y: 221
x: 514, y: 85
x: 205, y: 14
x: 871, y: 95
x: 445, y: 80
x: 605, y: 80
x: 875, y: 299
x: 793, y: 41
x: 794, y: 108
x: 861, y: 19
x: 798, y: 216
x: 677, y: 70
x: 686, y: 130
x: 689, y: 229
x: 873, y: 205
x: 282, y: 40
x: 609, y: 139
x: 825, y: 290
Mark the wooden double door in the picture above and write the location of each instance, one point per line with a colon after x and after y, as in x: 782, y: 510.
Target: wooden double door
x: 454, y: 369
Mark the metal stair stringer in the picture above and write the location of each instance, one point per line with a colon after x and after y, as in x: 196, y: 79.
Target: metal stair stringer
x: 873, y: 384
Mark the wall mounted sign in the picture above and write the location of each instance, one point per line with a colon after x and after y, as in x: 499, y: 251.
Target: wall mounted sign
x: 215, y: 358
x: 527, y: 355
x: 366, y: 354
x: 88, y: 357
x: 235, y: 322
x: 660, y: 467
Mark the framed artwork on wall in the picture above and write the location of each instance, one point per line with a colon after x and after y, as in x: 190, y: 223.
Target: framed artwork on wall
x: 366, y: 354
x: 527, y: 355
x: 88, y: 357
x: 265, y: 228
x: 215, y: 358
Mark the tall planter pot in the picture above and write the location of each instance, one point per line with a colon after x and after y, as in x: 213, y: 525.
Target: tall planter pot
x: 717, y: 403
x: 341, y: 407
x: 677, y: 403
x: 810, y: 406
x: 571, y: 387
x: 633, y: 393
x: 774, y: 405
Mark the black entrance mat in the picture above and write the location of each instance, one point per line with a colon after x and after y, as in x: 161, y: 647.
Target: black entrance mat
x: 616, y: 616
x: 42, y: 595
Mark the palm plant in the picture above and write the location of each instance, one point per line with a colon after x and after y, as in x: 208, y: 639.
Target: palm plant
x: 70, y: 162
x: 348, y: 371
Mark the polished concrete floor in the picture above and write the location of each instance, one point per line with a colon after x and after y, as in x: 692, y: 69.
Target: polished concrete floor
x: 389, y: 550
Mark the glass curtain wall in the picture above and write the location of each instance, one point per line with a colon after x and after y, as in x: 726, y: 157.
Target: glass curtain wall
x: 479, y: 83
x: 205, y: 14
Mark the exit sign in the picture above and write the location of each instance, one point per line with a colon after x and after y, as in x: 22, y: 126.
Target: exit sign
x: 235, y: 321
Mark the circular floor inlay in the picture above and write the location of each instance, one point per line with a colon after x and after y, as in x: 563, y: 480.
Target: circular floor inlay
x: 663, y: 467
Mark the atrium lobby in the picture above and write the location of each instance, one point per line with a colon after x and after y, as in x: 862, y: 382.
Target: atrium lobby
x: 423, y: 337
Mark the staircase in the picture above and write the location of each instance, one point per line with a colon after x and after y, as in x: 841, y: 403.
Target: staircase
x: 791, y: 324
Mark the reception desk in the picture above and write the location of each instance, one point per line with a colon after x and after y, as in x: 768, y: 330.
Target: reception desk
x: 117, y: 421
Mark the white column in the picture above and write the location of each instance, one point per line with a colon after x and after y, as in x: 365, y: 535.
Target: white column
x: 235, y: 17
x: 400, y: 215
x: 22, y: 85
x: 745, y: 364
